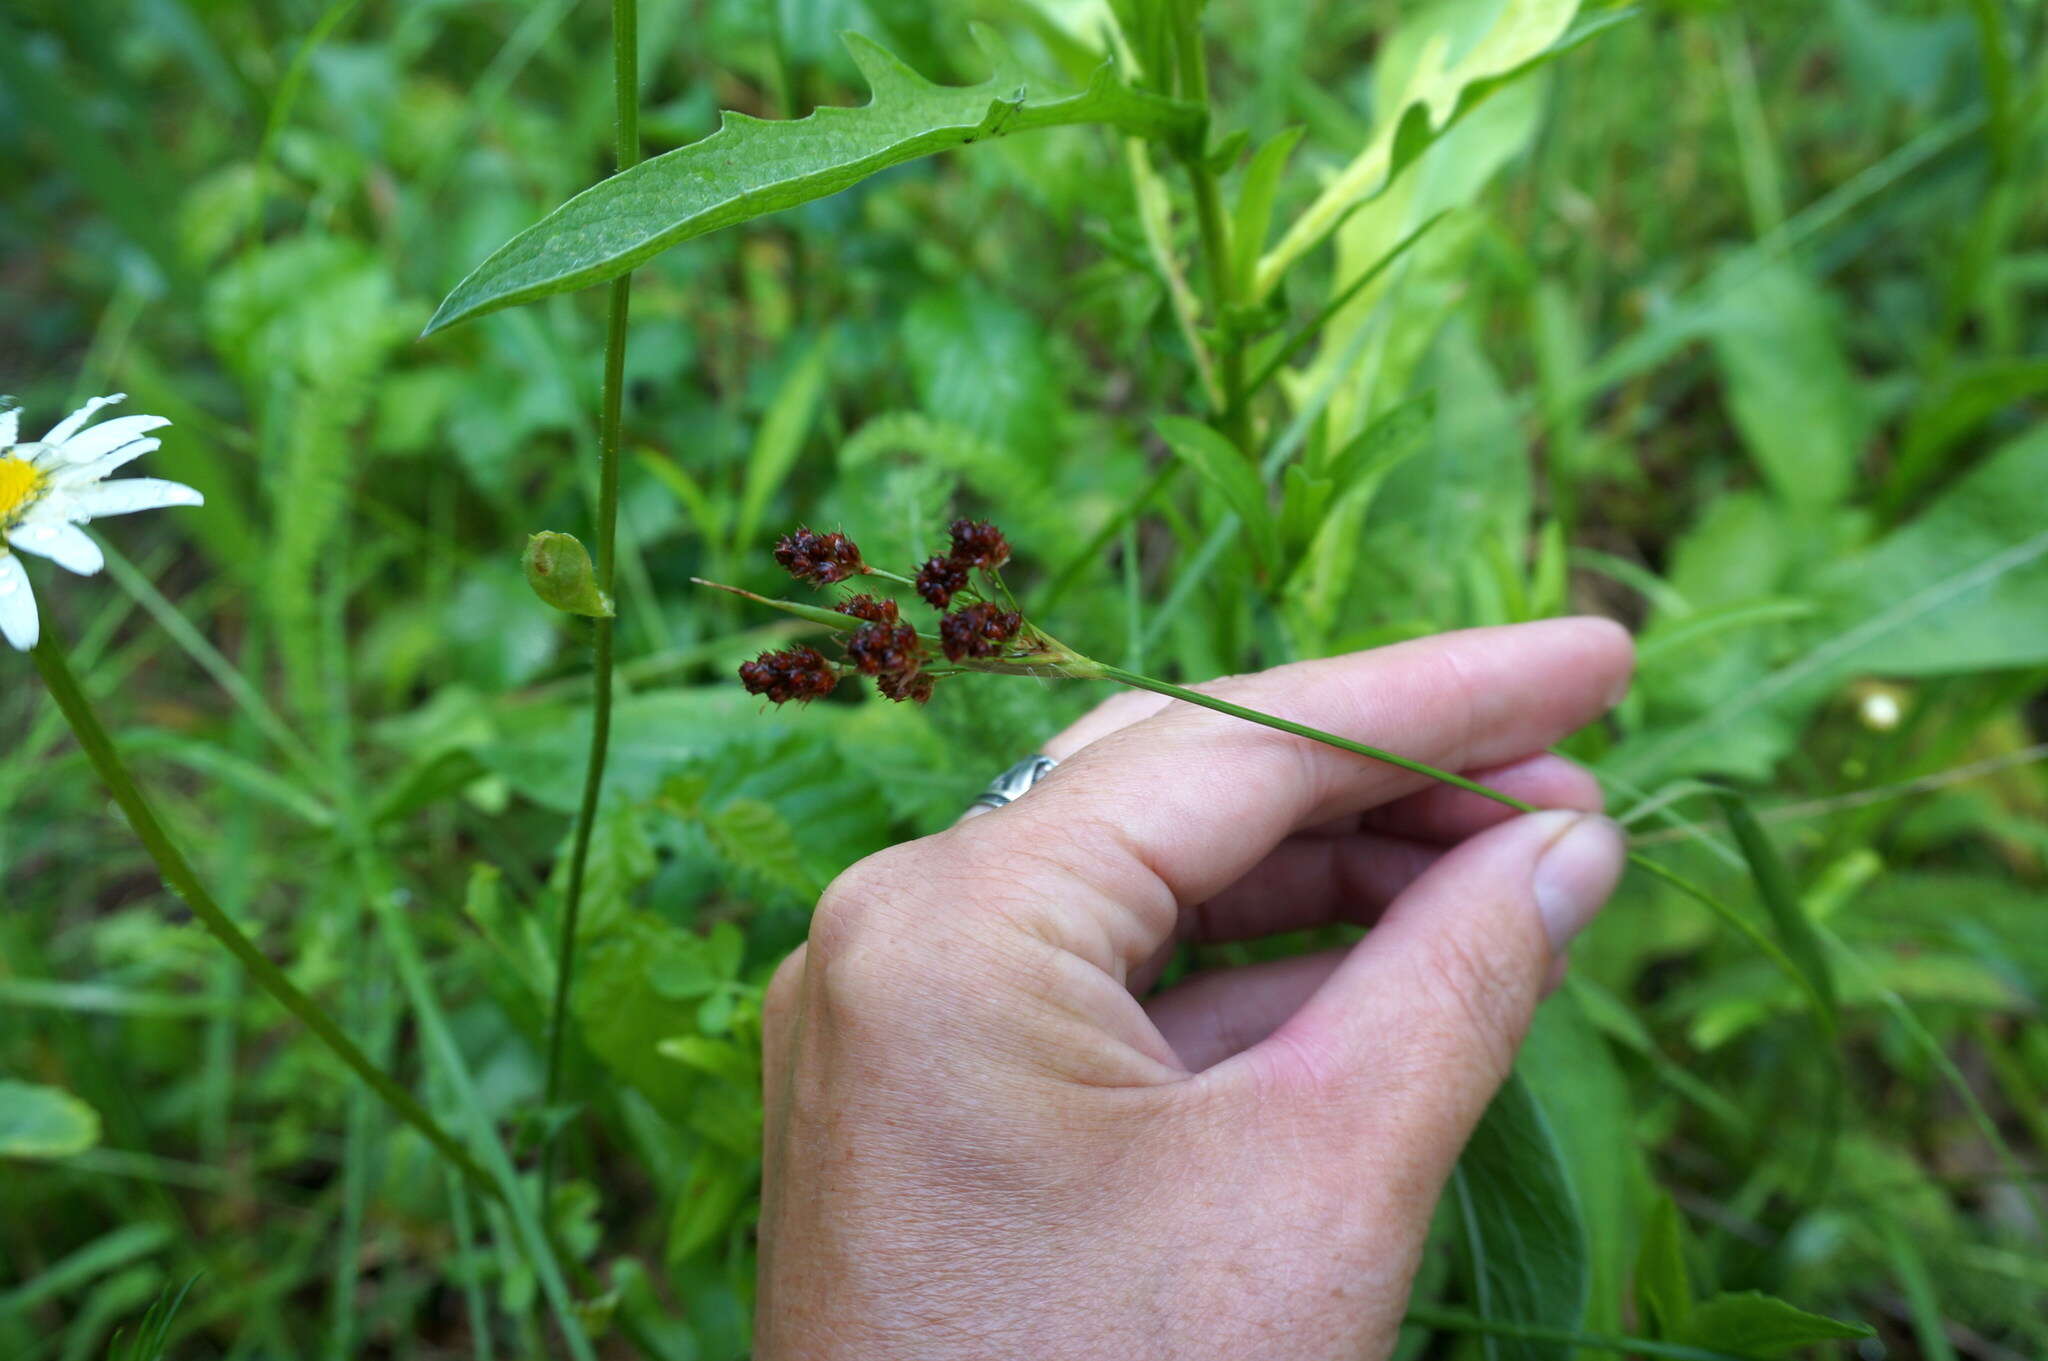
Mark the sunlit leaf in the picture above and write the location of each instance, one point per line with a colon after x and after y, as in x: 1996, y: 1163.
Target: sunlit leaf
x: 751, y: 167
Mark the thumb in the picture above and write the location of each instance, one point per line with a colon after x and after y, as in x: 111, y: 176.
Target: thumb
x: 1423, y: 1017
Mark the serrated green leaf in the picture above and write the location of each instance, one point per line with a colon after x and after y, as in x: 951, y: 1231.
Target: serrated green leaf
x: 1754, y: 1324
x: 755, y: 838
x: 751, y: 167
x: 44, y: 1122
x: 1226, y: 469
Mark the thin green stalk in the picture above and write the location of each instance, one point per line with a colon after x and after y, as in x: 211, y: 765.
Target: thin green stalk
x: 626, y: 99
x: 1300, y: 340
x: 1235, y: 418
x: 1224, y: 706
x: 178, y: 875
x: 1763, y: 943
x: 1451, y: 1321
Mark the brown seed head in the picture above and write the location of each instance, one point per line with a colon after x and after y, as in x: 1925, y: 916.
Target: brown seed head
x: 978, y: 630
x: 799, y: 673
x: 977, y: 543
x: 939, y: 578
x: 820, y: 559
x: 914, y: 687
x: 870, y: 608
x: 881, y: 649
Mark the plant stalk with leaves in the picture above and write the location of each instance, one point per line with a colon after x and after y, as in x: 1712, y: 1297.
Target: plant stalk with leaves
x: 626, y: 114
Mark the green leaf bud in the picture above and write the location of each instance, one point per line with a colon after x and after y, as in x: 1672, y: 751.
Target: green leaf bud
x: 559, y: 570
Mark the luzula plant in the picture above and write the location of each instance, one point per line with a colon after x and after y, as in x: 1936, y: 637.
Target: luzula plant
x: 980, y: 628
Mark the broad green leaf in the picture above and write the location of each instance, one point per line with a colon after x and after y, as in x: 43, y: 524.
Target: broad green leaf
x: 1790, y: 388
x: 1527, y: 1243
x: 1232, y: 474
x: 718, y: 1182
x: 1753, y: 1324
x: 44, y: 1122
x: 751, y: 167
x: 1472, y: 484
x: 1570, y: 1069
x: 1962, y: 588
x: 1525, y: 35
x: 1664, y: 1295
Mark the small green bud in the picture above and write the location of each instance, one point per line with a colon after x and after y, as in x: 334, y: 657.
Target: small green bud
x: 560, y: 573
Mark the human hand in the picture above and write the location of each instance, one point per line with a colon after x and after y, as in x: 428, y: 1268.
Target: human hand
x: 981, y: 1142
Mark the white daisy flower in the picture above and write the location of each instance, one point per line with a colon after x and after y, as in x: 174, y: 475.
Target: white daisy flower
x: 49, y: 487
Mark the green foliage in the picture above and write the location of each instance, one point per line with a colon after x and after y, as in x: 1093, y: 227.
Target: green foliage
x: 1525, y: 1242
x: 44, y: 1122
x: 749, y: 168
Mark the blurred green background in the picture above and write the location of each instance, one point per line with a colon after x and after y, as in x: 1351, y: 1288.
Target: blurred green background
x: 1732, y: 328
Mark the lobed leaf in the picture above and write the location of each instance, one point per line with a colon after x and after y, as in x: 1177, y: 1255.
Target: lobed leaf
x: 751, y: 167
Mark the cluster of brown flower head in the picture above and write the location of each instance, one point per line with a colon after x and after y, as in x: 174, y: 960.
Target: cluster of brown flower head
x: 976, y: 543
x: 820, y: 559
x: 978, y: 630
x: 800, y: 673
x: 883, y: 646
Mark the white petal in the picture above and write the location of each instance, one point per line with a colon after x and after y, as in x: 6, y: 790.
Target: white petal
x: 68, y: 427
x: 106, y: 437
x: 87, y: 473
x: 10, y: 427
x: 66, y: 545
x: 19, y: 623
x: 126, y: 495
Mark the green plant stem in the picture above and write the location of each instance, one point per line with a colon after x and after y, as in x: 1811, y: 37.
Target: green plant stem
x: 1762, y: 943
x: 1224, y: 706
x: 178, y: 875
x: 1300, y: 340
x: 1451, y: 1321
x: 626, y: 99
x: 1234, y: 420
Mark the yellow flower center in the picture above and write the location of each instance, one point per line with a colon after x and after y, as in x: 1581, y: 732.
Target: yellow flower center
x: 20, y: 483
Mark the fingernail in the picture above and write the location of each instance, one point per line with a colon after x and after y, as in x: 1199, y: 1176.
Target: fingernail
x: 1574, y: 875
x: 1618, y: 692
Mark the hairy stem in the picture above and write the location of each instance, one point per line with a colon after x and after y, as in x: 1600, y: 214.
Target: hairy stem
x: 178, y: 876
x: 625, y: 93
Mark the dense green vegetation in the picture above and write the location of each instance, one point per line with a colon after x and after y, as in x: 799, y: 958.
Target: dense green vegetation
x: 1722, y: 320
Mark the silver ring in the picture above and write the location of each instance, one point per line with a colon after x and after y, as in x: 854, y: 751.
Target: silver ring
x: 1012, y: 784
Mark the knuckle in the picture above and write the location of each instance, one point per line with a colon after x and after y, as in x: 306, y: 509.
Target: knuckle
x: 778, y: 1001
x: 857, y: 905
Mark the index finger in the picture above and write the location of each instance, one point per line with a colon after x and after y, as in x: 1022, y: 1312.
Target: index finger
x: 1158, y: 816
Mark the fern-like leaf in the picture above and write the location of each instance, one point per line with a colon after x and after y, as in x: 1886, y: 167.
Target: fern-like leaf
x: 751, y: 167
